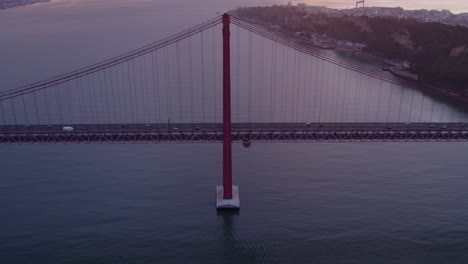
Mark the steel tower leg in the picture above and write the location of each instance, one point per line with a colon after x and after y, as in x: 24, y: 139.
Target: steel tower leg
x: 227, y: 195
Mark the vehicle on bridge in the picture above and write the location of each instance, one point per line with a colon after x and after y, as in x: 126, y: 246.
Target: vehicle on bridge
x: 68, y: 129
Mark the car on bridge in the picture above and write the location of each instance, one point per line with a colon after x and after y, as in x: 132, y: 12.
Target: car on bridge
x: 68, y: 129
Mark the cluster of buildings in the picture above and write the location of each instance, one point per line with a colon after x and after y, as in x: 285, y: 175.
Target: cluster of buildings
x: 423, y: 15
x: 4, y: 4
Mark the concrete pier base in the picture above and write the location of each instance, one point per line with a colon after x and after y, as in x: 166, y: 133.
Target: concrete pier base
x: 227, y: 204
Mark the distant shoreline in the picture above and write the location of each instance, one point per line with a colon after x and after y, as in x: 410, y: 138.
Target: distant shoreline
x: 7, y: 4
x: 410, y: 49
x: 334, y: 45
x: 391, y: 68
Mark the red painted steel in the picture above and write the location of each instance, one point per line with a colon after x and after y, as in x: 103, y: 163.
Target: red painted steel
x: 227, y: 140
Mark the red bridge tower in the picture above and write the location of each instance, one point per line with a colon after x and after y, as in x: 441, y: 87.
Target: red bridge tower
x: 227, y: 196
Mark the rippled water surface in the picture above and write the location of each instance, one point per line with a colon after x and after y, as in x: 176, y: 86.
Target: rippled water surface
x: 301, y: 203
x: 320, y: 203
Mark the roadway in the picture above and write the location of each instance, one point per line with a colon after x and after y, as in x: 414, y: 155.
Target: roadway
x: 241, y: 132
x: 217, y: 127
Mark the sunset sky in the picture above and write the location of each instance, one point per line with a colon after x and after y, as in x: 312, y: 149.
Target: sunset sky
x: 456, y: 6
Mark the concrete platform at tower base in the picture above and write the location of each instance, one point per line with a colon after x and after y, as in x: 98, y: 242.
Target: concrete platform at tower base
x: 227, y: 204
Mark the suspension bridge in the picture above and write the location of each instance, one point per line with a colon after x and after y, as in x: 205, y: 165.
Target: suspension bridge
x: 228, y: 80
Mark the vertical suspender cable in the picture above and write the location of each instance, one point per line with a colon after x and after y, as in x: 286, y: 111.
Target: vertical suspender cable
x: 135, y: 92
x: 452, y: 115
x: 411, y: 106
x: 36, y: 108
x: 379, y: 102
x: 90, y: 100
x: 298, y: 85
x: 401, y: 104
x: 118, y: 88
x: 168, y: 88
x: 295, y: 80
x: 316, y: 88
x: 141, y: 87
x: 331, y: 77
x: 337, y: 95
x: 25, y: 110
x: 130, y: 92
x: 190, y: 55
x: 107, y: 98
x: 310, y: 88
x: 179, y: 83
x: 368, y: 101
x: 157, y: 107
x: 13, y: 111
x: 3, y: 112
x: 113, y: 85
x: 95, y: 98
x: 144, y: 88
x: 321, y: 91
x: 273, y: 81
x: 389, y: 109
x: 203, y: 74
x: 238, y: 74
x: 250, y: 79
x: 284, y: 91
x: 69, y: 101
x: 358, y: 98
x: 262, y: 75
x: 422, y: 106
x: 214, y: 76
x: 306, y: 95
x: 84, y: 102
x: 78, y: 99
x: 46, y: 103
x: 432, y: 110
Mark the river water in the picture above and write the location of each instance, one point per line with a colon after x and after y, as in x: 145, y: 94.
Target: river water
x: 301, y: 203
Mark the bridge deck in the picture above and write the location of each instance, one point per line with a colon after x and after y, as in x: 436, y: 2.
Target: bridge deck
x: 242, y: 132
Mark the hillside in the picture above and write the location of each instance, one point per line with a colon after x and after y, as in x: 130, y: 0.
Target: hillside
x: 438, y: 53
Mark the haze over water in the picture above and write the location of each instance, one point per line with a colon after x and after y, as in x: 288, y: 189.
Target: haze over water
x: 303, y: 203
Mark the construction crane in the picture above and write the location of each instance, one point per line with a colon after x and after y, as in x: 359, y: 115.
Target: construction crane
x: 360, y: 2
